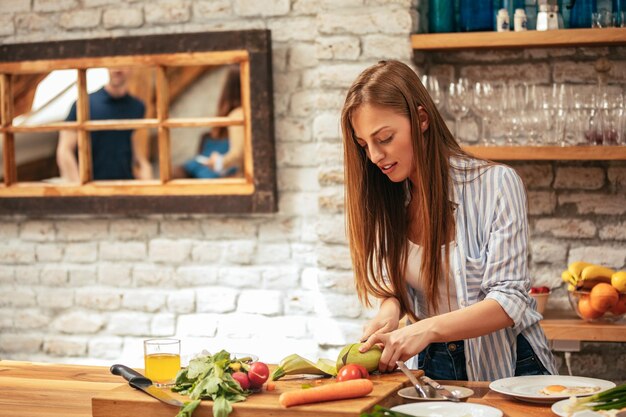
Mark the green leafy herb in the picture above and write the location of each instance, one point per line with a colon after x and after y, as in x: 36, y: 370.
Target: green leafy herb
x: 379, y: 411
x: 210, y: 377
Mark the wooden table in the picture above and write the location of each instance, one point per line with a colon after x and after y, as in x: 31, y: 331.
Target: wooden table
x: 36, y: 390
x: 566, y: 325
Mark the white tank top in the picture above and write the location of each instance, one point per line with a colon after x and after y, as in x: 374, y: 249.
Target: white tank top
x: 413, y: 278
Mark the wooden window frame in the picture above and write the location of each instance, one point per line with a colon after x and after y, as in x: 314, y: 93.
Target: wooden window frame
x: 255, y: 192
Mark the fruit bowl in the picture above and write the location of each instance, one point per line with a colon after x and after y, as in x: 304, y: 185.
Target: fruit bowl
x: 581, y: 303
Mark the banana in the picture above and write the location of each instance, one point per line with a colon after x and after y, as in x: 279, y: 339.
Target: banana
x: 568, y: 277
x: 576, y: 268
x: 597, y: 272
x: 296, y: 364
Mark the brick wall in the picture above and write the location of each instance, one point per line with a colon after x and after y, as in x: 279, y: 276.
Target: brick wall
x: 89, y: 289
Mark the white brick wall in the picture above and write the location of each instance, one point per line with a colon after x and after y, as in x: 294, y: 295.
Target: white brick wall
x: 91, y: 288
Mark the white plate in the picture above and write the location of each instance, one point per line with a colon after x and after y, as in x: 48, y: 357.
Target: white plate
x: 448, y: 409
x: 527, y: 388
x: 558, y: 408
x: 411, y: 394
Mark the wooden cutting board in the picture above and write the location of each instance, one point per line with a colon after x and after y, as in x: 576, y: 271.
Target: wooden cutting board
x: 128, y: 402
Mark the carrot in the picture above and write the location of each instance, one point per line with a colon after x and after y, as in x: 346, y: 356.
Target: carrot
x: 271, y: 386
x: 336, y: 391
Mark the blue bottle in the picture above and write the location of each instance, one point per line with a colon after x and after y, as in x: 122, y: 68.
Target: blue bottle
x: 476, y: 15
x: 580, y: 15
x: 565, y: 9
x: 511, y: 5
x: 440, y: 16
x: 618, y: 6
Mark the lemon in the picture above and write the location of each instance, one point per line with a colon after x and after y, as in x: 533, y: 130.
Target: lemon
x: 618, y: 281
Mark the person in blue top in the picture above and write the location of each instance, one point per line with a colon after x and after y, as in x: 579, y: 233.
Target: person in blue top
x: 112, y: 151
x: 437, y: 235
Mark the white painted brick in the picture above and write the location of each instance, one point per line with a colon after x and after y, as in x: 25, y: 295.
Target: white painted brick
x: 129, y: 324
x: 240, y: 277
x: 266, y: 302
x: 134, y: 229
x: 148, y: 275
x: 49, y: 252
x: 163, y: 324
x: 240, y: 252
x: 592, y: 203
x: 327, y: 126
x: 386, y: 47
x: 281, y: 277
x: 616, y: 231
x: 303, y: 103
x: 535, y: 175
x: 54, y: 5
x: 17, y: 252
x: 331, y: 99
x: 330, y: 153
x: 29, y: 23
x: 166, y: 250
x: 332, y: 332
x: 81, y: 252
x: 612, y: 257
x: 281, y: 104
x: 279, y: 230
x: 216, y: 300
x: 65, y: 346
x: 6, y: 321
x: 337, y: 281
x: 539, y: 73
x: 143, y: 300
x: 264, y: 8
x: 549, y: 252
x: 122, y: 18
x: 105, y: 347
x: 168, y: 12
x: 286, y: 83
x: 330, y: 176
x: 568, y: 228
x: 292, y: 130
x: 293, y: 29
x: 298, y: 203
x: 82, y: 230
x: 54, y: 275
x: 333, y: 256
x: 297, y: 179
x: 243, y: 326
x: 19, y: 342
x: 7, y: 27
x: 332, y: 199
x: 211, y: 9
x: 337, y: 305
x: 333, y: 76
x: 541, y: 202
x: 114, y: 275
x: 181, y: 301
x: 78, y: 322
x: 206, y: 252
x: 8, y: 230
x: 99, y: 298
x: 224, y: 228
x: 83, y: 275
x: 17, y: 297
x: 402, y: 3
x: 12, y: 6
x: 55, y: 298
x: 192, y: 276
x: 175, y: 228
x: 302, y: 55
x: 30, y: 319
x: 306, y: 6
x: 300, y: 302
x: 273, y: 253
x: 338, y: 47
x: 579, y: 178
x: 27, y: 274
x: 7, y: 274
x: 616, y: 174
x: 98, y: 3
x: 392, y: 20
x: 332, y: 229
x: 200, y: 325
x: 548, y: 275
x: 295, y: 154
x: 122, y: 251
x: 80, y: 19
x: 304, y: 253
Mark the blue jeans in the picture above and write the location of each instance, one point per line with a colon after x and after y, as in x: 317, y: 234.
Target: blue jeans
x: 447, y: 360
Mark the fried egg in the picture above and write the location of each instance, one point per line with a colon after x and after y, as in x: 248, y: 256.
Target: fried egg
x: 563, y: 390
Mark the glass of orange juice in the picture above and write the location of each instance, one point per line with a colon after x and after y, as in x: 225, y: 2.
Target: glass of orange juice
x: 162, y: 360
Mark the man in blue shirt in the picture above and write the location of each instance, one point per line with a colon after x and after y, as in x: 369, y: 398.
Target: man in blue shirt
x: 112, y: 151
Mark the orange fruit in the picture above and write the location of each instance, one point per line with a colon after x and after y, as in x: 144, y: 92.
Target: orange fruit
x: 603, y: 297
x: 585, y: 309
x: 620, y: 307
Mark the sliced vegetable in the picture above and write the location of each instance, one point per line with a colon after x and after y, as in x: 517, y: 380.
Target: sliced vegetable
x: 612, y: 399
x: 328, y: 392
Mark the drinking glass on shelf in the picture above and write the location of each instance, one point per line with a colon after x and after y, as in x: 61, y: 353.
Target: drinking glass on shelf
x: 486, y: 106
x: 431, y: 82
x: 162, y: 360
x: 459, y: 102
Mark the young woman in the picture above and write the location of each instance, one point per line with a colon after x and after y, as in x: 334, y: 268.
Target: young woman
x: 437, y: 235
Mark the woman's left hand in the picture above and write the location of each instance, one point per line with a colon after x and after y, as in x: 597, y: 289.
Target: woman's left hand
x: 401, y: 344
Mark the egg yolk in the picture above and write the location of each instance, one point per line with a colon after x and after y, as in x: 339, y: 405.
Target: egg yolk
x: 555, y: 388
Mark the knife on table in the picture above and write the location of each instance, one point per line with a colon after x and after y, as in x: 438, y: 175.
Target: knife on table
x: 140, y: 382
x: 418, y: 386
x: 440, y: 389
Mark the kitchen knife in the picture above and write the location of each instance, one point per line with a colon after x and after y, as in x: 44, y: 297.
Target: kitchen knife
x: 418, y: 386
x: 440, y: 389
x: 140, y: 382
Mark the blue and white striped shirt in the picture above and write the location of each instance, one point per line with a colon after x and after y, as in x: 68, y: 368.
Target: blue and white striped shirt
x: 489, y: 260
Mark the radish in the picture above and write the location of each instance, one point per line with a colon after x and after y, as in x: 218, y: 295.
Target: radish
x: 242, y: 379
x: 258, y: 374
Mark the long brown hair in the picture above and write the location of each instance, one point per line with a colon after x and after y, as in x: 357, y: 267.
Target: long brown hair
x: 230, y: 99
x: 377, y: 220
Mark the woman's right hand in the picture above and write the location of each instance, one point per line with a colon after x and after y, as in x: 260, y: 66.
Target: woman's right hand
x: 387, y: 319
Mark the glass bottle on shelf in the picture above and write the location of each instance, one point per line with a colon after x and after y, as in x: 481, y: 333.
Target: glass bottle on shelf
x: 440, y: 16
x: 618, y: 9
x: 511, y: 6
x: 476, y: 15
x: 580, y: 15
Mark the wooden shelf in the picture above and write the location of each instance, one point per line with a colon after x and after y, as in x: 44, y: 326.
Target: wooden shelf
x: 548, y: 153
x: 528, y: 39
x: 564, y: 326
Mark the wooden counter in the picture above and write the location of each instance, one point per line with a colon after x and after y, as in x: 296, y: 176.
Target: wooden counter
x: 565, y: 325
x: 37, y: 390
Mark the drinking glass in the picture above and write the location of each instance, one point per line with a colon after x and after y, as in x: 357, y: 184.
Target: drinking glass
x: 459, y: 102
x: 485, y: 106
x: 162, y: 360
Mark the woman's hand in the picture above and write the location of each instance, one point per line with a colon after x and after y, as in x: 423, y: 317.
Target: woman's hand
x: 387, y: 319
